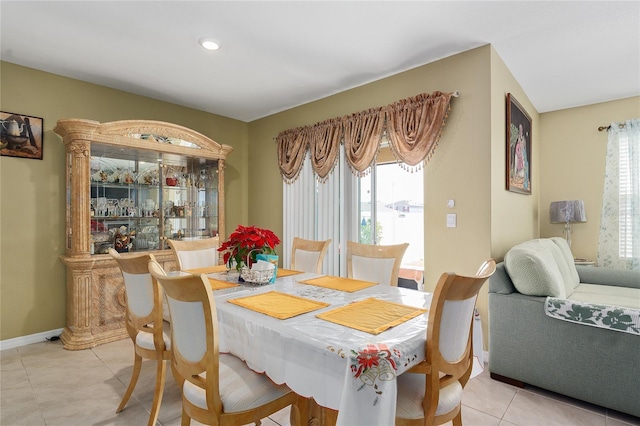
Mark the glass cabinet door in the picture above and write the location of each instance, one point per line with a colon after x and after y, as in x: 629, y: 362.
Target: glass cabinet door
x: 139, y: 199
x: 190, y: 198
x: 125, y: 200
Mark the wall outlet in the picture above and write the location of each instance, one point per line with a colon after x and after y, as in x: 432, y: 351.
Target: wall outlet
x: 451, y: 220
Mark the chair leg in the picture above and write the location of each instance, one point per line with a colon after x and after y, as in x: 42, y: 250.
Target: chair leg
x: 457, y: 420
x: 157, y: 396
x: 186, y: 421
x: 137, y: 366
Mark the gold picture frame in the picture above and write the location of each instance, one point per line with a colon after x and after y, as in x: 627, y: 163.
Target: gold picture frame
x: 518, y: 147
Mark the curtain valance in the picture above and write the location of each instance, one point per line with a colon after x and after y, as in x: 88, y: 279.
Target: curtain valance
x: 292, y: 148
x: 413, y: 127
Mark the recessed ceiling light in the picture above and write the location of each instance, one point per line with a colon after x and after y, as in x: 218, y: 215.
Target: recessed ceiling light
x: 209, y: 44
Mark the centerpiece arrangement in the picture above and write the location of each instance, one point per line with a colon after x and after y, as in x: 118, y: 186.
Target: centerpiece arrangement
x: 245, y: 244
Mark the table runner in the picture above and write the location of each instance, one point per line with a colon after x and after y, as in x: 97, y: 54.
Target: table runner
x: 371, y: 315
x: 339, y: 283
x: 278, y: 305
x: 287, y: 272
x: 207, y: 270
x: 219, y: 284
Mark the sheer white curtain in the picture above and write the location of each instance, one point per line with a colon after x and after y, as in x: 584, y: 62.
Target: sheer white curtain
x: 619, y: 239
x: 322, y: 211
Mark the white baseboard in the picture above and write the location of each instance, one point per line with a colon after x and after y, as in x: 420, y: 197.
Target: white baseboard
x: 27, y: 340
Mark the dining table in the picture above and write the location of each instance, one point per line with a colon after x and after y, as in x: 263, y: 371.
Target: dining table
x: 339, y: 342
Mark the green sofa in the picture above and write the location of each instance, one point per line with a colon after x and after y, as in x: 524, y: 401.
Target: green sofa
x: 526, y: 346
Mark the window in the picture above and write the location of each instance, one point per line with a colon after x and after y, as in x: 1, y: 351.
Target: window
x: 393, y: 199
x: 340, y: 209
x: 619, y: 239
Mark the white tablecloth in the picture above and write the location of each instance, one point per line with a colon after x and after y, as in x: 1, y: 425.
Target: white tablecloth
x: 339, y: 367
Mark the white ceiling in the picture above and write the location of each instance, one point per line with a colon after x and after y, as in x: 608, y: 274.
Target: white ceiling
x: 277, y: 55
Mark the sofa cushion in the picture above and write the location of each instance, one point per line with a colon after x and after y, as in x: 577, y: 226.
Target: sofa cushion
x: 607, y: 295
x: 564, y: 260
x: 534, y: 269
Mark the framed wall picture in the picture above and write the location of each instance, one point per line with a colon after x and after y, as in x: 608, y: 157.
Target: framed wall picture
x: 20, y: 135
x: 518, y: 147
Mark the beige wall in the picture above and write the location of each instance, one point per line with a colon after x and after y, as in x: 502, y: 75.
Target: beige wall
x: 32, y: 200
x: 573, y: 153
x: 514, y: 216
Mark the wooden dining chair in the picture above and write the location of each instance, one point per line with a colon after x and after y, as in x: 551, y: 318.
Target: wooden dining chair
x: 375, y: 263
x: 194, y: 254
x: 431, y: 392
x: 217, y: 389
x: 143, y: 320
x: 308, y: 255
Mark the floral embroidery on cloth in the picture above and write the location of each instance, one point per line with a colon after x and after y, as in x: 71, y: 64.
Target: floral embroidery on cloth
x: 374, y: 364
x: 616, y: 318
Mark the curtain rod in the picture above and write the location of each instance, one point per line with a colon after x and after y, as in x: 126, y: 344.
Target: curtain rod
x: 607, y: 128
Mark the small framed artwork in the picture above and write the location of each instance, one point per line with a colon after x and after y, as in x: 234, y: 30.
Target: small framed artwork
x: 518, y: 147
x: 20, y: 135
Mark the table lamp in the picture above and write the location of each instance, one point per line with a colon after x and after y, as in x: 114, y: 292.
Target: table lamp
x: 567, y: 212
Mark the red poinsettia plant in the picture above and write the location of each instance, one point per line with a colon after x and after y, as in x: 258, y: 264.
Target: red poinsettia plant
x: 248, y: 241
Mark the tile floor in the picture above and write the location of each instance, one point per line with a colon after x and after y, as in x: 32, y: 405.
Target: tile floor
x: 43, y: 384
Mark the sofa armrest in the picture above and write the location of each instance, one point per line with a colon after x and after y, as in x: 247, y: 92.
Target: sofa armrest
x: 500, y: 282
x: 608, y: 276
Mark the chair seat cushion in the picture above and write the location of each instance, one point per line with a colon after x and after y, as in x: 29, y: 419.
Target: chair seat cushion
x: 240, y: 387
x: 145, y: 340
x: 411, y: 389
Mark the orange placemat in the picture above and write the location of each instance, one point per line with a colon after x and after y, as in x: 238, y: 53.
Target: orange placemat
x: 339, y: 283
x: 207, y: 270
x: 278, y: 305
x: 287, y: 272
x: 219, y: 284
x: 371, y: 315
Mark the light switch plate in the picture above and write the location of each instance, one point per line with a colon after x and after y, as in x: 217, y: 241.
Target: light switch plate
x: 451, y: 220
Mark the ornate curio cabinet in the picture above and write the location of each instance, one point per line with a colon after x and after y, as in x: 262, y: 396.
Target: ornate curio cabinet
x: 131, y: 186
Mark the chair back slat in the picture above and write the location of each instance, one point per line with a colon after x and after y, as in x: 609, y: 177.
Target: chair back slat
x: 306, y: 261
x: 372, y: 269
x: 139, y: 290
x: 143, y: 295
x: 375, y: 263
x: 308, y: 255
x: 194, y: 254
x: 454, y: 328
x: 194, y: 259
x: 188, y: 322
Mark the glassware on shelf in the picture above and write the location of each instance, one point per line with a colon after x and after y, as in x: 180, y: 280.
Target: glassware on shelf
x: 148, y: 207
x: 101, y: 206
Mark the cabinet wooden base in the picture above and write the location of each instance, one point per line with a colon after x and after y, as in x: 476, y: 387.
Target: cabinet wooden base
x: 96, y: 299
x: 75, y: 340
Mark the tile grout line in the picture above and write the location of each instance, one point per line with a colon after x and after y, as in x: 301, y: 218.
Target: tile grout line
x: 33, y: 391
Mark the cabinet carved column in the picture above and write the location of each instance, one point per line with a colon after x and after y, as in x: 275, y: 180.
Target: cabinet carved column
x: 79, y: 153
